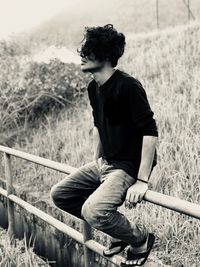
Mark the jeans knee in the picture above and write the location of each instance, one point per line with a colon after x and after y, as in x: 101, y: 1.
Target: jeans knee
x: 87, y: 212
x: 54, y: 194
x: 95, y: 217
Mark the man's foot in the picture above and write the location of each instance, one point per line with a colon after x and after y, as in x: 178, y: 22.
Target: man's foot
x: 115, y: 247
x: 136, y: 258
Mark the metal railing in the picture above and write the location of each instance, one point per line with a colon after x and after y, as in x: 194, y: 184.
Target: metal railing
x: 90, y: 246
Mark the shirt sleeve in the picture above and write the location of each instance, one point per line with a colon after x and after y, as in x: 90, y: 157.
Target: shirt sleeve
x: 141, y: 113
x: 90, y: 96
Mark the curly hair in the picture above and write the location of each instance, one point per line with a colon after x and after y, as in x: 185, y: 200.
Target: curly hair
x: 104, y: 42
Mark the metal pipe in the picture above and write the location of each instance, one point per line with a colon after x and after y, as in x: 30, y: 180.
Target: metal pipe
x: 173, y: 203
x: 188, y: 5
x: 90, y: 244
x: 88, y: 253
x: 38, y: 160
x: 48, y: 218
x: 10, y: 190
x: 168, y: 202
x: 157, y: 14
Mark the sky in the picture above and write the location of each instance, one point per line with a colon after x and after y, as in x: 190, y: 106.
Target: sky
x: 19, y: 15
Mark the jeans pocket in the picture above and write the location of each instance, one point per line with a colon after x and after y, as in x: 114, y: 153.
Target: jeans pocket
x: 99, y: 163
x: 102, y: 164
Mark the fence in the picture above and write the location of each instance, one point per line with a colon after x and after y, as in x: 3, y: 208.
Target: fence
x: 90, y: 246
x: 187, y: 5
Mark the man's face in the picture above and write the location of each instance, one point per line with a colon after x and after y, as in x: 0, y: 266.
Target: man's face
x: 90, y: 64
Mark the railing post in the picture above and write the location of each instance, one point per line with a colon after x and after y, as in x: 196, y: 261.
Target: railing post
x: 157, y: 14
x: 10, y: 190
x: 88, y: 254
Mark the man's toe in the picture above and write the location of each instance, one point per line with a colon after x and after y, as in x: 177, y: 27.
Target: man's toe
x: 140, y: 261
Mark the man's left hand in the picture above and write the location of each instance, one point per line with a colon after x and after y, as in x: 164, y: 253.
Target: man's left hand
x: 135, y: 194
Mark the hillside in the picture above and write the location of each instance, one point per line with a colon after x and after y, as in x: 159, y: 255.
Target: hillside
x: 32, y: 85
x: 167, y: 64
x: 132, y: 17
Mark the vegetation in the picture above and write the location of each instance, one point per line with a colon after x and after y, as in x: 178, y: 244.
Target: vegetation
x: 167, y: 63
x: 30, y: 89
x: 17, y: 253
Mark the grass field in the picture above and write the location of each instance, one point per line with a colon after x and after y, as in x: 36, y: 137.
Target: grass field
x: 167, y: 63
x: 17, y: 254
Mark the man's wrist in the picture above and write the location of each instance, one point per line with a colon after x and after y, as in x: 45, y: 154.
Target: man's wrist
x: 143, y: 180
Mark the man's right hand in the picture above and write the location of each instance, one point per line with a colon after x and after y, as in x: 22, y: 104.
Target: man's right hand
x: 135, y: 194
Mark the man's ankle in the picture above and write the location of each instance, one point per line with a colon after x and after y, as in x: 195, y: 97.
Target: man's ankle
x: 113, y: 239
x: 142, y: 247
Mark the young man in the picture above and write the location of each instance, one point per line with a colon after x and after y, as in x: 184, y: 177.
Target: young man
x: 126, y: 135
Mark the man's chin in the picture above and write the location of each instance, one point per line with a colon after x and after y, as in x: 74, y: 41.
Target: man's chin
x: 85, y: 69
x: 91, y: 69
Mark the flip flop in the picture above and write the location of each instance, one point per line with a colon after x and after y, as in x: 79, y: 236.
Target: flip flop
x: 115, y: 247
x: 133, y: 258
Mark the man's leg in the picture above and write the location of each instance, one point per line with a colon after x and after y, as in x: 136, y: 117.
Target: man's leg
x: 116, y: 245
x: 100, y: 209
x: 70, y: 193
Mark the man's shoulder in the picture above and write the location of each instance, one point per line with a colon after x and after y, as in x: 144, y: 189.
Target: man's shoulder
x: 91, y: 84
x: 129, y: 79
x: 130, y: 84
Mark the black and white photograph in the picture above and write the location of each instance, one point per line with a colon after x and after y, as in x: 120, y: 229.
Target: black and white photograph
x: 100, y: 133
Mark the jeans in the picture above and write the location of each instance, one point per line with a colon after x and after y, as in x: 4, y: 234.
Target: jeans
x: 93, y: 193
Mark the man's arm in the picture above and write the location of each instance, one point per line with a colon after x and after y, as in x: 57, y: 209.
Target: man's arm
x: 142, y: 116
x: 136, y: 192
x: 97, y: 147
x: 148, y: 150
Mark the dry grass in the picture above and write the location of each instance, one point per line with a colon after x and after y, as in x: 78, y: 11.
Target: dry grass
x: 29, y: 89
x: 17, y: 253
x: 167, y: 63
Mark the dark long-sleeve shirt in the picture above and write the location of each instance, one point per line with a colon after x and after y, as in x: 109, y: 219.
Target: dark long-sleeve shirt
x: 123, y: 116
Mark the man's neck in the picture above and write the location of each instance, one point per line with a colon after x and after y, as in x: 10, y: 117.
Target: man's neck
x: 102, y: 76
